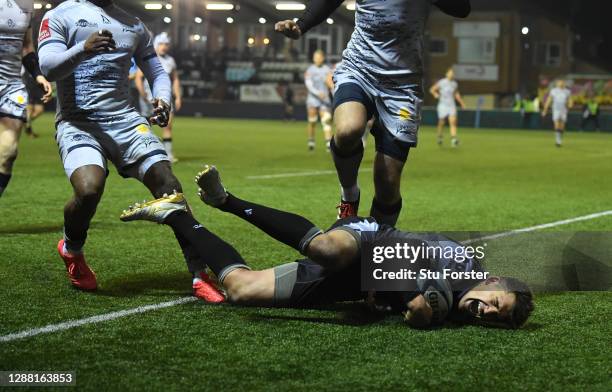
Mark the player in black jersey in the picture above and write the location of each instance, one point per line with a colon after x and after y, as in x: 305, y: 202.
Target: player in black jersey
x: 332, y: 270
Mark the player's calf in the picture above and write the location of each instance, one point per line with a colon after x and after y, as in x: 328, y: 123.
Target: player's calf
x: 246, y: 287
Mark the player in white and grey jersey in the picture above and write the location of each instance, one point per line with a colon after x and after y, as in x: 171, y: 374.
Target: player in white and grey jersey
x: 318, y: 102
x: 446, y: 91
x: 380, y: 75
x: 561, y: 99
x: 16, y: 49
x: 162, y: 46
x: 87, y: 47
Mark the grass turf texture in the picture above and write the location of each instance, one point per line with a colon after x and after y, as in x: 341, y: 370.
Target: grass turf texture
x: 496, y: 180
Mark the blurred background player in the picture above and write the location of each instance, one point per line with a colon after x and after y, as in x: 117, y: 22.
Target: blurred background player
x: 590, y: 112
x: 36, y: 106
x: 162, y: 48
x: 16, y: 49
x: 96, y: 122
x: 318, y: 103
x: 561, y: 99
x: 446, y: 91
x: 380, y: 75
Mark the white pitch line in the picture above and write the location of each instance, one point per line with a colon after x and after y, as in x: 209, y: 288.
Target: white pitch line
x: 540, y: 227
x: 93, y: 320
x: 147, y: 308
x: 299, y: 174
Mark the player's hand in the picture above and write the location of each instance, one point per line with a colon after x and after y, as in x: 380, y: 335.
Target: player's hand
x: 100, y: 42
x: 47, y: 88
x: 178, y: 103
x: 288, y: 28
x: 436, y: 95
x: 543, y: 114
x: 323, y: 96
x: 161, y: 113
x: 419, y: 313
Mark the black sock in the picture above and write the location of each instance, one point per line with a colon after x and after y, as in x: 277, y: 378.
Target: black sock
x: 4, y: 180
x: 192, y: 258
x: 288, y: 228
x: 220, y: 256
x: 385, y: 213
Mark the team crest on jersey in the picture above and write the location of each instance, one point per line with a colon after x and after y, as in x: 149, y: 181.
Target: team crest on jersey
x: 45, y: 31
x: 85, y: 23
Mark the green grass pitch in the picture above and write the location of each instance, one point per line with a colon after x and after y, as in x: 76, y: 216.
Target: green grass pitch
x: 497, y: 180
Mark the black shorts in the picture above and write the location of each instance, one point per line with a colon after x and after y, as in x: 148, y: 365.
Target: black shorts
x: 386, y: 142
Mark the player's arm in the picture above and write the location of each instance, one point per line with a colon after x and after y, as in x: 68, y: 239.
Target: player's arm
x: 139, y: 83
x: 459, y: 99
x: 176, y: 90
x: 456, y: 8
x: 159, y: 81
x: 57, y: 60
x: 316, y: 12
x: 418, y: 313
x: 310, y: 86
x: 546, y: 105
x: 330, y: 81
x: 29, y: 60
x: 435, y: 90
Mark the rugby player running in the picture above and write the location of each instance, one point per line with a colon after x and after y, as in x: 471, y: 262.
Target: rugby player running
x: 87, y: 47
x: 380, y: 76
x: 331, y: 271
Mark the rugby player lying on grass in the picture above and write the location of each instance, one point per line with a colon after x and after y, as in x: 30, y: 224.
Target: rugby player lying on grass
x: 331, y: 271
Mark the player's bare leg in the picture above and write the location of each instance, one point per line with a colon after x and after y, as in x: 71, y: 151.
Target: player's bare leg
x: 350, y: 119
x: 33, y: 111
x: 452, y: 123
x: 559, y: 130
x: 160, y: 180
x: 167, y: 139
x: 88, y: 186
x: 311, y: 128
x: 441, y: 122
x: 10, y: 131
x: 326, y: 122
x: 387, y: 202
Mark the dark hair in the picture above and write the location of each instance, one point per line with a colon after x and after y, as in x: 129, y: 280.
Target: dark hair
x: 523, y: 305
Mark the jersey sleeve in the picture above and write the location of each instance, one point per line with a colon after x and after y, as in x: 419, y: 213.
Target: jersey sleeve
x: 56, y: 59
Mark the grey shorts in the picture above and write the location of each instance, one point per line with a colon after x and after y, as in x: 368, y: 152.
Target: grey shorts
x: 128, y: 143
x: 13, y: 101
x: 285, y: 277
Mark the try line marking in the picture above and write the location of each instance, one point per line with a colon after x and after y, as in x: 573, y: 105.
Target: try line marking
x: 299, y: 174
x: 147, y: 308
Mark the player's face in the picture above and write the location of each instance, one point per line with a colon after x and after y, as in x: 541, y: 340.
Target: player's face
x: 318, y: 59
x: 162, y: 49
x: 450, y: 74
x: 560, y: 83
x: 488, y: 304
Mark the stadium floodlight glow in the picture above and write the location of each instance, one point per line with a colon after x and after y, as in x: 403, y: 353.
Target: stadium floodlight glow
x: 229, y: 20
x: 197, y: 19
x: 290, y: 6
x: 37, y: 6
x: 330, y: 21
x: 251, y: 41
x: 196, y: 37
x: 525, y: 30
x: 153, y: 6
x: 266, y: 41
x: 167, y: 19
x: 48, y: 6
x: 262, y: 20
x: 168, y: 6
x: 350, y: 6
x: 219, y: 6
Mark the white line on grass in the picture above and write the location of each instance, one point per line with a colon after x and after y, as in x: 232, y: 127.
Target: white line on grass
x: 147, y: 308
x: 94, y: 319
x: 299, y: 174
x: 540, y: 227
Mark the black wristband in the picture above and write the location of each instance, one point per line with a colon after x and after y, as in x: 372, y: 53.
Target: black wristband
x: 30, y: 62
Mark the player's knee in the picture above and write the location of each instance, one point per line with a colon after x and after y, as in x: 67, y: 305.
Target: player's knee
x: 242, y: 292
x: 89, y: 192
x: 330, y: 251
x: 326, y: 121
x: 348, y: 132
x: 8, y: 150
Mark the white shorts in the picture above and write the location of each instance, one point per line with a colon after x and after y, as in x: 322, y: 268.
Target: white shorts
x: 313, y: 102
x: 13, y: 101
x: 396, y: 103
x: 445, y: 111
x: 559, y: 115
x: 129, y: 144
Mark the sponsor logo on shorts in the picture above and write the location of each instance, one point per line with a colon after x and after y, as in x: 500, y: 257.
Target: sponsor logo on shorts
x: 20, y: 99
x: 404, y: 114
x: 142, y: 129
x: 45, y: 31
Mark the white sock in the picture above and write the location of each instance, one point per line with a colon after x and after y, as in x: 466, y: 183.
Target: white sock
x: 558, y: 137
x: 196, y: 277
x: 350, y: 194
x: 168, y: 147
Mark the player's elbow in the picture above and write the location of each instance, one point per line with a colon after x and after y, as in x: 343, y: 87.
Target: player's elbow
x: 49, y: 70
